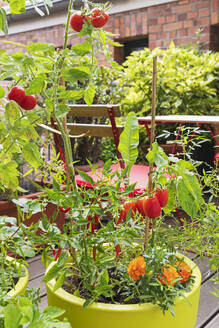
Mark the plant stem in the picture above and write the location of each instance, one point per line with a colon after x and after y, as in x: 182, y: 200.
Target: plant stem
x: 150, y: 182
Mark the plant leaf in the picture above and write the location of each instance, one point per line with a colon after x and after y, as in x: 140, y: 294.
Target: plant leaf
x: 129, y: 140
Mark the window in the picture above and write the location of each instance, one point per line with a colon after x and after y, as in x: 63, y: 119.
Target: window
x: 129, y: 46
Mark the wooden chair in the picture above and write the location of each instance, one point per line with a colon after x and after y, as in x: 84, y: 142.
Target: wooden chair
x: 139, y: 173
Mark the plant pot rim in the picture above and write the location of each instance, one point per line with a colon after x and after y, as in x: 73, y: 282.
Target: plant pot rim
x: 22, y: 281
x: 62, y: 294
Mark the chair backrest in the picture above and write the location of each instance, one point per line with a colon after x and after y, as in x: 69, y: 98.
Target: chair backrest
x: 93, y: 129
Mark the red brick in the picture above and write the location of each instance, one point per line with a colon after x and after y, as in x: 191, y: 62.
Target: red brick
x: 155, y: 28
x: 172, y: 34
x: 182, y: 32
x: 182, y: 17
x: 152, y: 21
x: 144, y: 24
x: 214, y: 18
x: 204, y: 13
x: 202, y: 4
x: 154, y: 11
x: 192, y: 14
x: 172, y: 26
x: 187, y: 23
x: 171, y: 18
x: 161, y: 20
x: 116, y: 22
x: 214, y: 5
x: 155, y: 44
x: 182, y: 9
x: 202, y: 21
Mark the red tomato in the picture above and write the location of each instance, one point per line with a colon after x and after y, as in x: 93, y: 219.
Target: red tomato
x: 17, y: 94
x: 29, y: 102
x: 77, y: 21
x: 162, y: 195
x: 152, y: 207
x: 98, y: 18
x: 140, y: 207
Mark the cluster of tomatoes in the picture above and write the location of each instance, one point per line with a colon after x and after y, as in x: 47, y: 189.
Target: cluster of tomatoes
x: 18, y: 95
x: 98, y: 18
x: 146, y: 206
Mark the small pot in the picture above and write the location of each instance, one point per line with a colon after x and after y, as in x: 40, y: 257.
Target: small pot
x: 99, y: 315
x: 21, y: 285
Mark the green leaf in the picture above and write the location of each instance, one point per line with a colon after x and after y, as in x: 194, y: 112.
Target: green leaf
x: 62, y: 110
x: 53, y: 312
x: 157, y: 156
x: 12, y: 111
x: 3, y: 21
x: 129, y: 140
x: 89, y: 94
x: 37, y: 85
x: 9, y: 175
x: 52, y: 273
x: 60, y: 281
x: 31, y: 154
x: 2, y: 92
x: 12, y: 316
x: 77, y: 73
x: 82, y: 49
x: 17, y: 6
x: 40, y: 47
x: 71, y: 94
x: 86, y: 177
x: 26, y: 307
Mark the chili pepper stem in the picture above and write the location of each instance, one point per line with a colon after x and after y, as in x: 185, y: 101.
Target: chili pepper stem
x: 150, y: 182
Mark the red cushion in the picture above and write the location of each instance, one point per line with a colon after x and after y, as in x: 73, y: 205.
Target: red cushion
x: 138, y: 175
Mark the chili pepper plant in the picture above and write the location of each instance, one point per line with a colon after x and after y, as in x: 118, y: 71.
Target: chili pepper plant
x: 117, y: 246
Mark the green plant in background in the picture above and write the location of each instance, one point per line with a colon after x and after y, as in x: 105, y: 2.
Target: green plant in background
x: 22, y: 312
x: 187, y: 82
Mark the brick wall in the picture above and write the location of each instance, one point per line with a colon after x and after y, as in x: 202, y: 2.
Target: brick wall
x: 177, y: 21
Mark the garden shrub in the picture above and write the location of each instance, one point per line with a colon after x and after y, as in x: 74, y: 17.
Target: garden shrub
x: 187, y: 82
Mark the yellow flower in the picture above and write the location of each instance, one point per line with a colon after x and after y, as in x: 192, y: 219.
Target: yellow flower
x: 168, y: 275
x: 136, y: 268
x: 184, y: 271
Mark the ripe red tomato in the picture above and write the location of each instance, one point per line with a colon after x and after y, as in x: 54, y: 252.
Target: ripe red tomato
x: 29, y: 102
x: 17, y: 94
x: 98, y: 18
x: 77, y: 21
x: 140, y: 207
x: 152, y: 207
x: 162, y: 195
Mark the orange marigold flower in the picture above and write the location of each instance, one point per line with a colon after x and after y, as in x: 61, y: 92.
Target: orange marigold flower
x: 168, y: 275
x: 184, y: 271
x: 136, y: 267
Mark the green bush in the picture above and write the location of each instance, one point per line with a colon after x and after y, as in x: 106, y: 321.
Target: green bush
x: 187, y: 82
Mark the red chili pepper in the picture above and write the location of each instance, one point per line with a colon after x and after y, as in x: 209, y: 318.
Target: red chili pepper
x: 58, y: 254
x: 65, y: 210
x: 121, y: 217
x: 53, y: 252
x: 89, y: 219
x: 93, y: 226
x: 94, y: 253
x: 118, y: 248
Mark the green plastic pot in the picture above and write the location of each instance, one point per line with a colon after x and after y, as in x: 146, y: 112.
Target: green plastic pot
x: 99, y: 315
x: 21, y: 285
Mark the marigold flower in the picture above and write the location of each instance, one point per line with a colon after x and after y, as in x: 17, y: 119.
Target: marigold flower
x: 184, y: 271
x: 136, y: 268
x: 168, y: 275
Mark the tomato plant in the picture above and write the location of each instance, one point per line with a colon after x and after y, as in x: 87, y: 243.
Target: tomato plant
x: 98, y: 18
x: 77, y: 21
x: 17, y: 94
x: 152, y: 207
x: 29, y: 102
x: 162, y: 195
